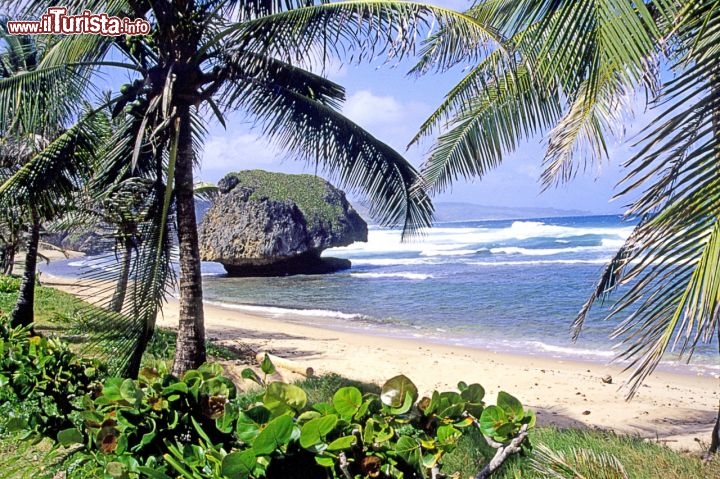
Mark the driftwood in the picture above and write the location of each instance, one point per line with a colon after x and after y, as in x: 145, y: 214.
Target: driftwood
x: 288, y: 364
x: 503, y: 453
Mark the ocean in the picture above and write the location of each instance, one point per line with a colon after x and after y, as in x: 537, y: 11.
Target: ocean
x: 504, y: 285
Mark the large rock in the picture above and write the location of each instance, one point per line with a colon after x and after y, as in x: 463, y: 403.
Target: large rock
x: 273, y: 224
x: 89, y: 242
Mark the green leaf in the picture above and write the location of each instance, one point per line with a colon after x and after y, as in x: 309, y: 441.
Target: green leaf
x: 280, y: 398
x: 530, y: 418
x: 307, y: 416
x: 408, y: 449
x: 227, y: 421
x: 450, y: 406
x: 250, y: 374
x: 70, y: 437
x: 275, y: 435
x: 247, y: 429
x: 328, y: 462
x: 363, y: 409
x: 431, y: 460
x: 238, y: 464
x: 115, y: 470
x: 473, y: 393
x: 347, y: 401
x: 210, y: 370
x: 4, y: 381
x: 395, y: 390
x: 448, y: 434
x: 267, y: 366
x: 324, y: 408
x: 491, y: 420
x: 152, y: 473
x: 315, y: 430
x: 130, y: 392
x: 512, y: 407
x: 111, y: 389
x: 341, y: 443
x: 405, y: 407
x: 178, y: 387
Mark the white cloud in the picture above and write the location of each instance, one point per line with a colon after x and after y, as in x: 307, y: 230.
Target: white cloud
x: 369, y: 110
x: 235, y: 150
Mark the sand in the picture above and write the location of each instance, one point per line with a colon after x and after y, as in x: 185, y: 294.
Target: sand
x: 678, y: 410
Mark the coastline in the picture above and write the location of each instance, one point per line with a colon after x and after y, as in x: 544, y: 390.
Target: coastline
x: 676, y: 409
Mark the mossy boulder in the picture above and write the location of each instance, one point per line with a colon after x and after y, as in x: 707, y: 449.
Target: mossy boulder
x: 275, y: 224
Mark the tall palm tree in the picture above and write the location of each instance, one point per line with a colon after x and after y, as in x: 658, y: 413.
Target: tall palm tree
x: 212, y: 57
x: 576, y: 64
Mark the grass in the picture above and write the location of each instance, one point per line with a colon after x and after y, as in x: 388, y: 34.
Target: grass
x: 641, y: 459
x: 55, y: 311
x: 309, y: 192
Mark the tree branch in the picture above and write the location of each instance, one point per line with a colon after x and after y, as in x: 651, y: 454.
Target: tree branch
x: 344, y: 466
x: 503, y: 453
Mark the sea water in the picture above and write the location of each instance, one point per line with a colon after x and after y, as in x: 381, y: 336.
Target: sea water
x: 503, y: 285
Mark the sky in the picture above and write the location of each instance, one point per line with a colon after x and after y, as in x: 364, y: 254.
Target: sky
x: 392, y: 106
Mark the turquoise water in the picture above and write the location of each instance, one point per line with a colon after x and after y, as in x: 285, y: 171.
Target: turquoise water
x: 511, y: 286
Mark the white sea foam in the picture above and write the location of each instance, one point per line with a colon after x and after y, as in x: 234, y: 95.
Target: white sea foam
x: 390, y: 261
x: 448, y: 252
x: 599, y: 261
x: 569, y: 351
x: 459, y: 241
x: 514, y: 250
x: 404, y: 275
x: 277, y: 311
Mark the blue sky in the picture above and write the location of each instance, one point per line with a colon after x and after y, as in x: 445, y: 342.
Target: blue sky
x: 392, y: 106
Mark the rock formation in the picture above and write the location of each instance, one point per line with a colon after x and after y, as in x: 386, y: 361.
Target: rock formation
x: 273, y: 224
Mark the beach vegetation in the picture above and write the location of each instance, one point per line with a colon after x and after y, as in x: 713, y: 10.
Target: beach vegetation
x: 578, y: 72
x: 197, y: 426
x: 118, y: 429
x: 45, y: 376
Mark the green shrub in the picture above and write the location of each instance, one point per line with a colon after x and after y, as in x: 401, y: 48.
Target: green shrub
x: 42, y: 381
x: 9, y: 284
x: 161, y: 427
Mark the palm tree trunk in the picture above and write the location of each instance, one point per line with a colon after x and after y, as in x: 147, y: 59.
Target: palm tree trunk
x: 7, y: 258
x: 715, y: 439
x: 715, y: 89
x: 190, y: 346
x: 121, y: 288
x: 23, y: 315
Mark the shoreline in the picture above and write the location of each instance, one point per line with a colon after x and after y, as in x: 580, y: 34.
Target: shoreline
x: 676, y: 409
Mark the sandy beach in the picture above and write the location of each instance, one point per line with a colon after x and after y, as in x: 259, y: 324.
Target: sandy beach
x: 676, y: 409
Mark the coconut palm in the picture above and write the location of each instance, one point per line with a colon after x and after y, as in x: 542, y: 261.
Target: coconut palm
x: 212, y: 57
x: 29, y: 137
x: 577, y: 63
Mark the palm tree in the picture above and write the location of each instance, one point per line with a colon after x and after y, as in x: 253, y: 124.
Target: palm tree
x: 25, y: 144
x: 213, y: 57
x: 575, y: 65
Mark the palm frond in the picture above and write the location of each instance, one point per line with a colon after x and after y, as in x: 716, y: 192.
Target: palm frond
x: 576, y: 464
x: 314, y: 132
x: 581, y: 132
x: 670, y: 262
x: 54, y: 172
x: 358, y: 31
x: 508, y: 110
